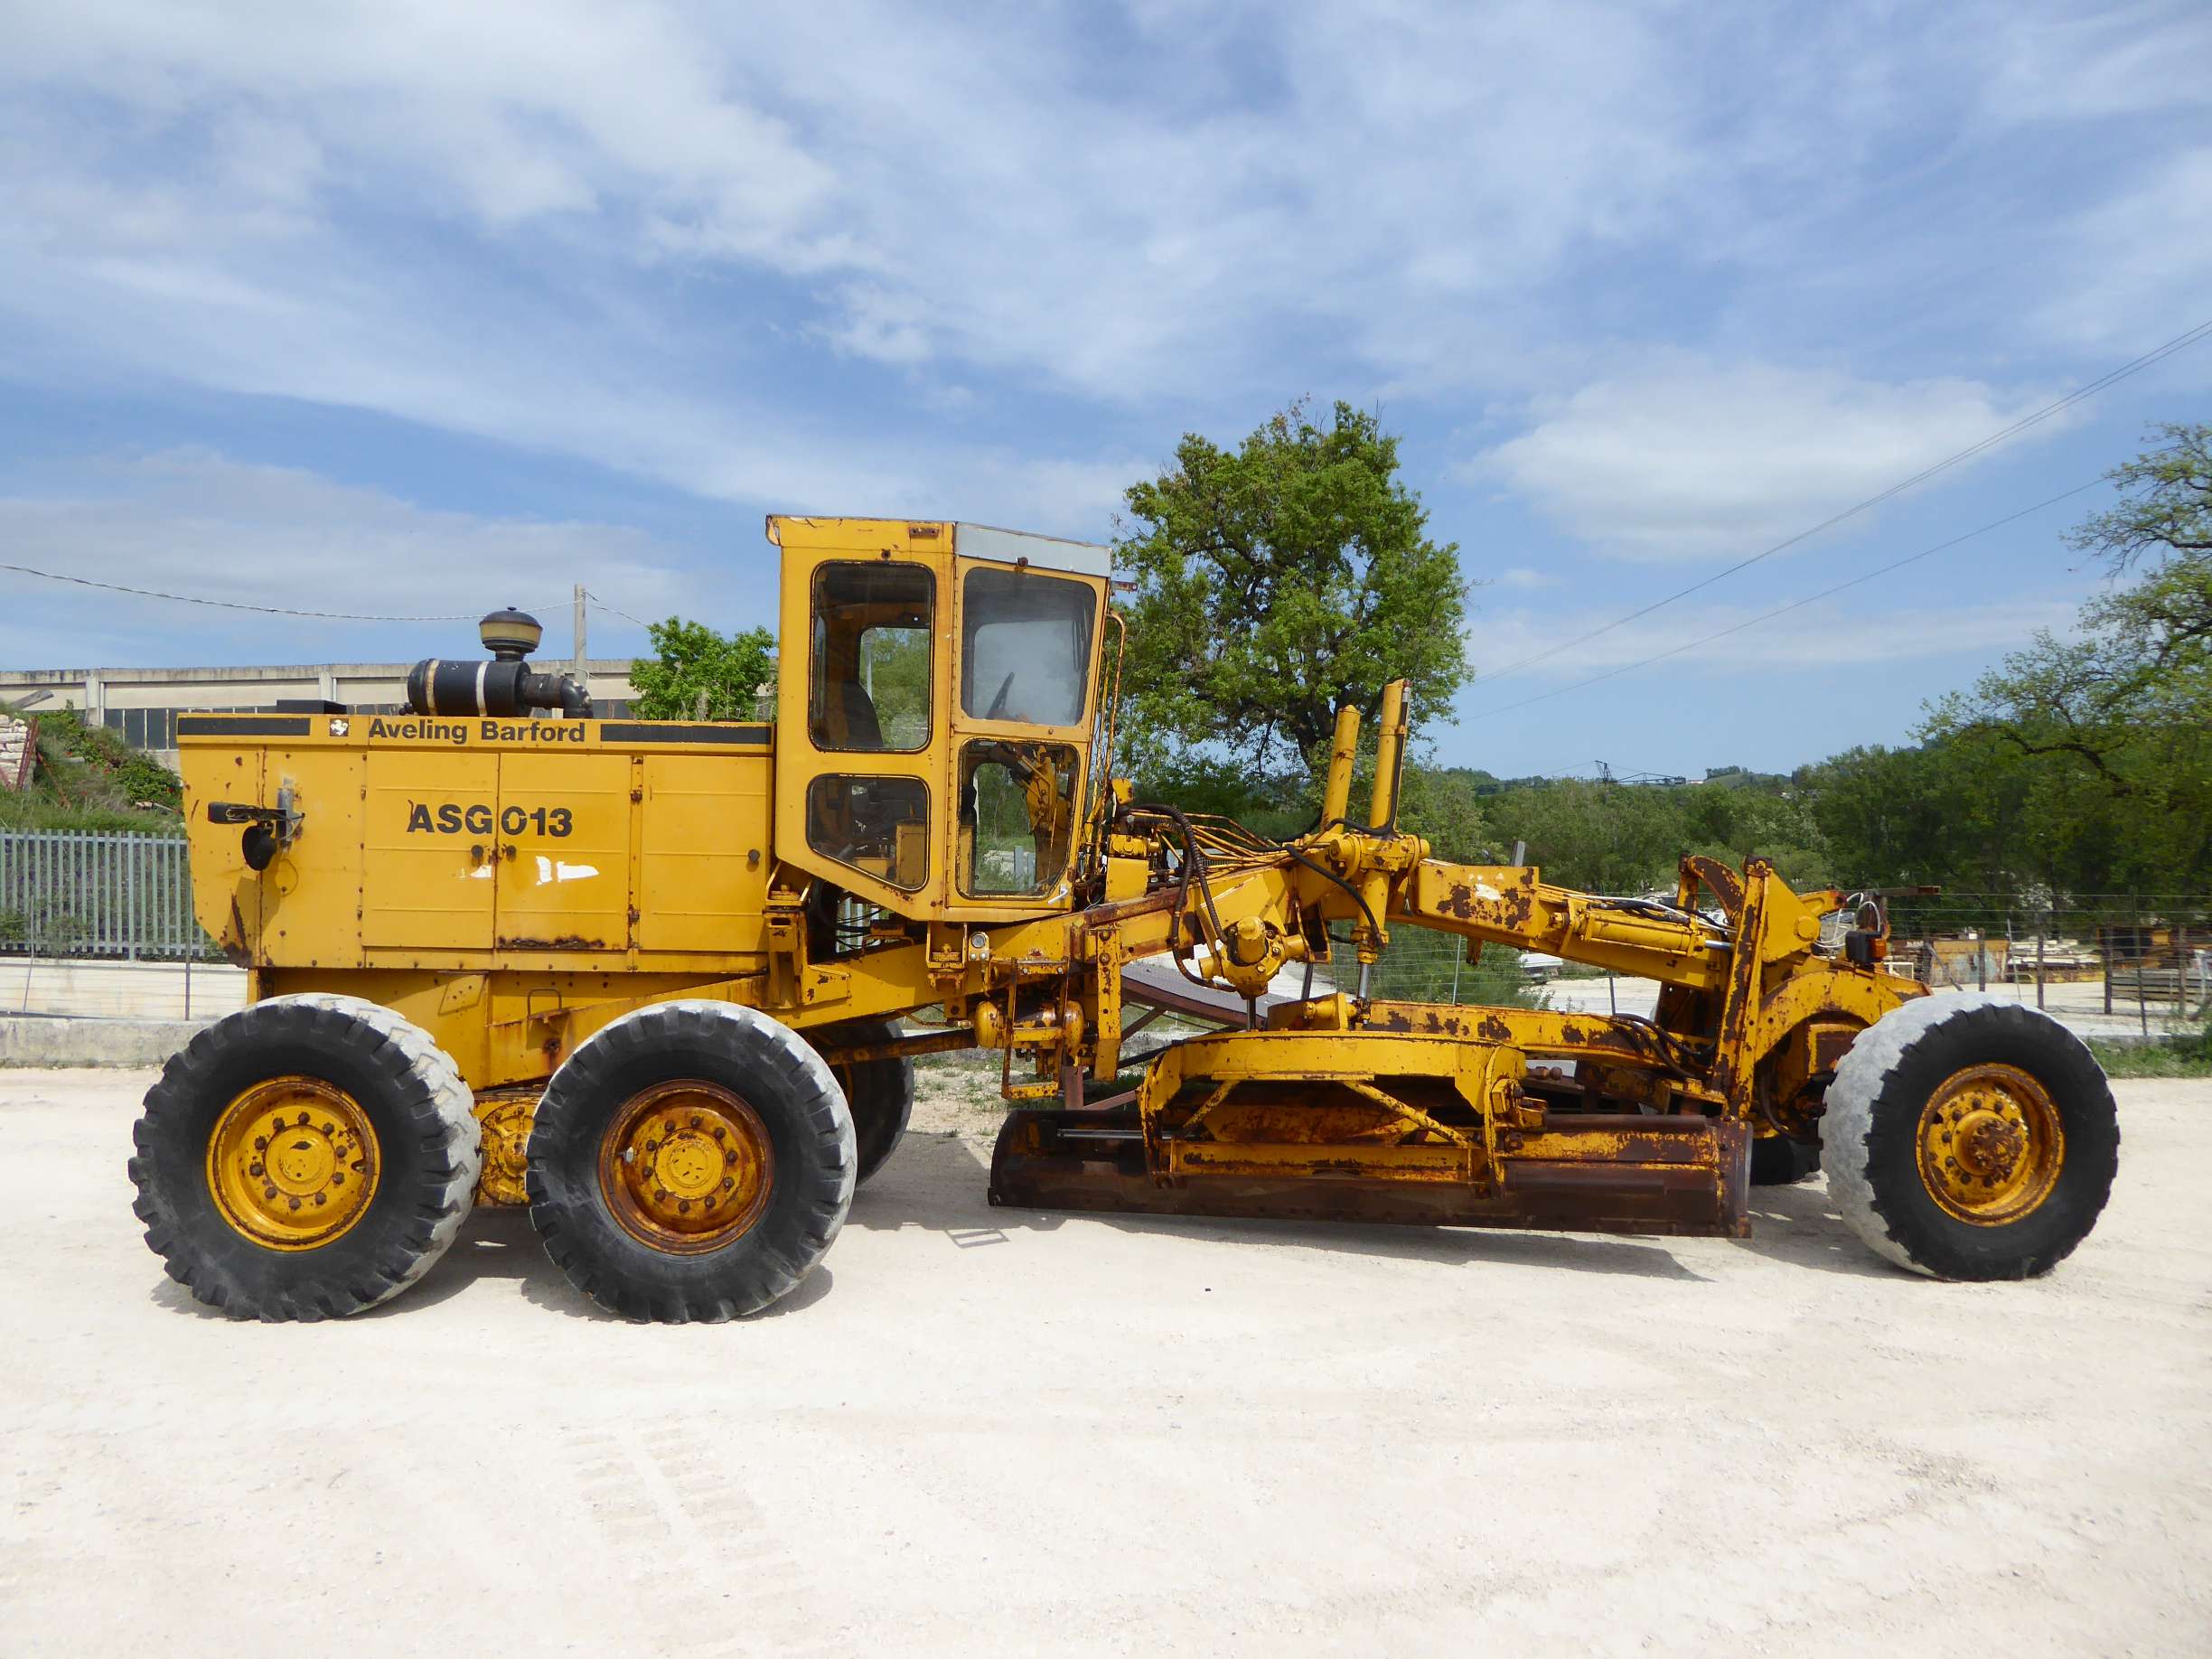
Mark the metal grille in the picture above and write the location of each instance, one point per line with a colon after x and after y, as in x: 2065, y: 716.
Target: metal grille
x: 126, y: 896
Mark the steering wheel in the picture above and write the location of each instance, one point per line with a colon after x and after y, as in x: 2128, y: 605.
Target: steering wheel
x: 997, y: 705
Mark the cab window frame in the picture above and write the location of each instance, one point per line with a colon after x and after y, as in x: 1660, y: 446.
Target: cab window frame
x: 819, y: 681
x: 973, y: 703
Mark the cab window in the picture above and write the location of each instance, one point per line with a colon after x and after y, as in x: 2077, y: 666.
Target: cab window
x: 869, y: 673
x: 1016, y: 817
x: 877, y: 825
x: 1025, y: 647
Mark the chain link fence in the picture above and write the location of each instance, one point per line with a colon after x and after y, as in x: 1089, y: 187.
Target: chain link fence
x: 2114, y: 967
x: 118, y: 897
x: 2119, y: 960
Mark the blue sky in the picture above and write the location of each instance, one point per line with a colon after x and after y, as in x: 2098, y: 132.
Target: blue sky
x: 417, y: 309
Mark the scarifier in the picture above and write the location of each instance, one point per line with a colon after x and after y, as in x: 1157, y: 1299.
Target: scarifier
x: 648, y: 979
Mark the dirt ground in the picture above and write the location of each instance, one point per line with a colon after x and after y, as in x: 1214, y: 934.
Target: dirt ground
x: 984, y: 1433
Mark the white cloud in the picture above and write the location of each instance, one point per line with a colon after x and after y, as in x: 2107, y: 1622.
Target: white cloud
x: 195, y: 523
x: 1691, y: 459
x: 1523, y: 577
x: 2074, y: 65
x: 1832, y: 633
x: 691, y: 242
x: 2139, y: 265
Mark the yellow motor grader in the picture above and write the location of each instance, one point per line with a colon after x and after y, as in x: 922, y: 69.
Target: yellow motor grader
x: 647, y: 978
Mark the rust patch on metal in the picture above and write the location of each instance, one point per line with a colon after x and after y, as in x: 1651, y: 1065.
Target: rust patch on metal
x: 1831, y: 1043
x: 1723, y: 883
x: 566, y: 942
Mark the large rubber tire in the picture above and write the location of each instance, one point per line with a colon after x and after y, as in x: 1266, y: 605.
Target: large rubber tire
x: 1777, y: 1160
x: 878, y: 1092
x: 412, y: 1096
x: 775, y: 1072
x: 1869, y: 1133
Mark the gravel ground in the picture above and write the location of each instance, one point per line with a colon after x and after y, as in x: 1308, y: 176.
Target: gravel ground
x: 991, y: 1432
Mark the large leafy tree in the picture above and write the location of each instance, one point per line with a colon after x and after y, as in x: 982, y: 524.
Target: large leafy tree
x: 1274, y: 581
x: 2116, y: 722
x: 697, y: 673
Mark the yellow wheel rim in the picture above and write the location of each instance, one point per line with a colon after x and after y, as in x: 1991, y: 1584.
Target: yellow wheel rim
x: 1991, y: 1146
x: 293, y: 1163
x: 686, y: 1166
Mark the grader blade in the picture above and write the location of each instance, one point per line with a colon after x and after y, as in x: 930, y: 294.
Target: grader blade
x: 1580, y: 1173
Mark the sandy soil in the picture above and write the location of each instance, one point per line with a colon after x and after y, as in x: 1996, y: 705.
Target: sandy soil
x: 993, y: 1432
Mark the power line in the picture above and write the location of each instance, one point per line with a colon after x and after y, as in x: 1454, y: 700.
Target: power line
x: 229, y: 605
x: 615, y: 610
x: 1795, y: 605
x: 2177, y: 342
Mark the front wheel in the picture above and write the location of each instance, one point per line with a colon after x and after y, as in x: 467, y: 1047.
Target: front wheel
x: 1970, y: 1137
x: 693, y: 1160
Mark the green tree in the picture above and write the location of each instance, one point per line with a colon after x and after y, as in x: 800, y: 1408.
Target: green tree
x: 1275, y: 582
x: 2115, y: 724
x: 694, y: 661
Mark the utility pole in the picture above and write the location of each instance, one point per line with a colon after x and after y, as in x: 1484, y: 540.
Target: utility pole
x: 578, y: 673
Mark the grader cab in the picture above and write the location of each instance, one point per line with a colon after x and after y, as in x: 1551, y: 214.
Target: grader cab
x: 648, y: 978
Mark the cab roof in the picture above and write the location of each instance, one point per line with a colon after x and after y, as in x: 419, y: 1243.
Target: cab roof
x: 988, y: 541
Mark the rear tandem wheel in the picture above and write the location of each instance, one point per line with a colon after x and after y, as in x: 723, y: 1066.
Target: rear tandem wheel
x: 879, y: 1093
x: 691, y: 1161
x: 305, y: 1158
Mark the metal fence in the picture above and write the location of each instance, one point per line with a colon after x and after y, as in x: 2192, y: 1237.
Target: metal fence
x: 2107, y: 963
x: 116, y: 896
x: 2118, y: 967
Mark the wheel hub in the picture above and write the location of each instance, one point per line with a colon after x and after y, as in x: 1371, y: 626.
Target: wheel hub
x: 1990, y: 1146
x: 686, y: 1166
x: 292, y: 1163
x: 504, y: 1128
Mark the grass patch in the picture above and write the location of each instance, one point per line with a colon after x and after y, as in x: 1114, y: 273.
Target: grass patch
x: 88, y: 779
x: 2189, y: 1055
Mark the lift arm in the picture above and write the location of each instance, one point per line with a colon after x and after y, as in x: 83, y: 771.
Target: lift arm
x: 1510, y: 904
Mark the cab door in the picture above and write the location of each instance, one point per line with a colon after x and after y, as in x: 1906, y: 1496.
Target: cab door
x: 860, y: 763
x: 1021, y: 716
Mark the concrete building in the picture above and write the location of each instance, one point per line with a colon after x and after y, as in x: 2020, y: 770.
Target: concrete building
x: 143, y: 704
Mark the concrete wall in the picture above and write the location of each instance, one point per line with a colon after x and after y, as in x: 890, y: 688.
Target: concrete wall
x: 120, y: 990
x: 27, y: 1040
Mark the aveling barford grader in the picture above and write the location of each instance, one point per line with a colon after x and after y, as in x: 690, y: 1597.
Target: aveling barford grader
x: 646, y: 978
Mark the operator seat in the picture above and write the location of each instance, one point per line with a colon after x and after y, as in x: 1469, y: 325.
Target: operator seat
x: 857, y: 713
